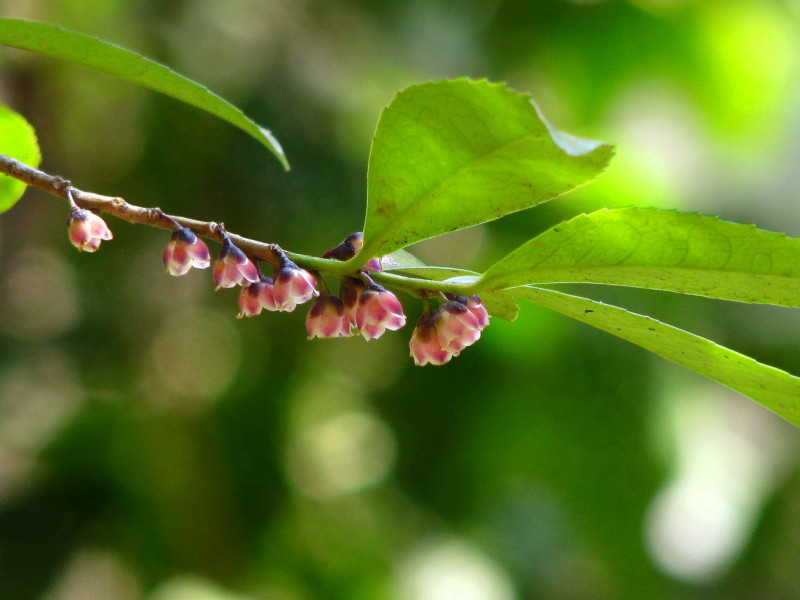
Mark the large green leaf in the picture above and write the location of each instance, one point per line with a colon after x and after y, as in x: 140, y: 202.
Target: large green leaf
x: 662, y: 250
x: 453, y: 154
x: 91, y: 52
x: 17, y: 140
x: 777, y: 390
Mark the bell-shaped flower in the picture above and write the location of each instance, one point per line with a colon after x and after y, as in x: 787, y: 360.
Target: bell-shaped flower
x: 378, y: 310
x: 233, y: 268
x: 477, y: 308
x: 458, y: 328
x: 327, y: 318
x: 184, y: 251
x: 87, y: 230
x: 350, y: 292
x: 256, y: 297
x: 426, y: 346
x: 293, y: 286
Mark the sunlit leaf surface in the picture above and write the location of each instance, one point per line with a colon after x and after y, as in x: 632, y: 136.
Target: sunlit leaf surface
x: 17, y: 140
x: 663, y: 250
x: 453, y: 154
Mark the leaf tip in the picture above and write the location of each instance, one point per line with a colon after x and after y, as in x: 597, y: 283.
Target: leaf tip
x: 271, y: 142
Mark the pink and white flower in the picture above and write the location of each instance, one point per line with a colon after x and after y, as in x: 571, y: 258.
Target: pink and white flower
x: 440, y: 336
x: 459, y: 327
x: 426, y: 346
x: 233, y: 268
x: 378, y: 310
x: 87, y: 230
x: 350, y: 292
x: 477, y: 308
x: 293, y: 286
x: 327, y: 318
x: 184, y: 251
x: 256, y: 297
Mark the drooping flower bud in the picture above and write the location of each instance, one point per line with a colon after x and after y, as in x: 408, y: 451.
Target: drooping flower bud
x: 459, y: 327
x: 351, y: 246
x: 347, y: 249
x: 87, y: 230
x: 477, y: 308
x: 184, y: 251
x: 256, y: 297
x: 232, y: 267
x: 327, y: 318
x: 378, y: 310
x: 426, y: 347
x: 293, y: 286
x: 349, y: 293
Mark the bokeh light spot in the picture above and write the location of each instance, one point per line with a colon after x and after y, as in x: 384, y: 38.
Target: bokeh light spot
x: 346, y: 453
x: 451, y: 570
x: 194, y: 357
x: 39, y: 294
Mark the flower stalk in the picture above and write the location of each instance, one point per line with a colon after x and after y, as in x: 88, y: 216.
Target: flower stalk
x: 363, y: 305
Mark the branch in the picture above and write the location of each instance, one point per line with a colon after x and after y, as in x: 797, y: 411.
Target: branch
x: 119, y: 208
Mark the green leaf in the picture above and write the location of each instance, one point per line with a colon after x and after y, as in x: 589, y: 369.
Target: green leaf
x: 17, y: 140
x: 661, y: 250
x: 499, y: 304
x: 777, y: 390
x: 453, y: 154
x: 91, y: 52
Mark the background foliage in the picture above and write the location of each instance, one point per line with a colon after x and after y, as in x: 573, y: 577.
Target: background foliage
x: 151, y: 446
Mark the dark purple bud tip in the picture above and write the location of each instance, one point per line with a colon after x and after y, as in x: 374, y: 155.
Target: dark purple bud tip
x: 77, y: 214
x: 347, y: 249
x: 184, y: 234
x: 455, y: 308
x: 375, y: 287
x: 457, y: 298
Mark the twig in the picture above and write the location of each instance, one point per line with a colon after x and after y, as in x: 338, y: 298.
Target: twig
x: 119, y: 208
x: 155, y: 217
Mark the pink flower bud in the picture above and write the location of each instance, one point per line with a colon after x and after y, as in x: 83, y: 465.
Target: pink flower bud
x: 459, y: 327
x: 378, y: 310
x: 327, y: 319
x: 347, y: 249
x: 255, y: 297
x: 351, y: 246
x: 184, y: 251
x: 440, y: 336
x: 426, y: 347
x: 233, y: 268
x: 350, y: 292
x: 477, y: 308
x: 293, y: 286
x: 374, y: 264
x: 87, y: 230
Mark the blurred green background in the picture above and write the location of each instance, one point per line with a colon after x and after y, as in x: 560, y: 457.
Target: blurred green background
x: 153, y: 447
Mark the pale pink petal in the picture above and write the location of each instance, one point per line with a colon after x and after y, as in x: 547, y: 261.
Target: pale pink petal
x: 248, y: 271
x: 199, y: 253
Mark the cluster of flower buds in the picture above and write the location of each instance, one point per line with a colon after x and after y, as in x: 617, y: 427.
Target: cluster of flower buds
x: 368, y: 309
x: 362, y: 306
x: 441, y: 335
